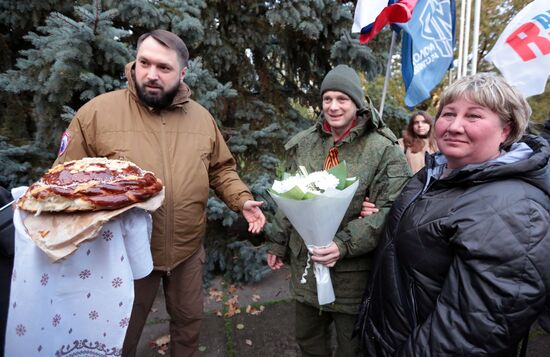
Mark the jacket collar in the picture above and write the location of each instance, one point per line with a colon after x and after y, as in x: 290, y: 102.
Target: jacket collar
x: 182, y: 97
x: 528, y: 160
x: 356, y: 130
x: 328, y: 129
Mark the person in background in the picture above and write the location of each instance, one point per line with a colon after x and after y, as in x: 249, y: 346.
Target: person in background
x: 155, y: 124
x: 348, y: 129
x: 462, y: 268
x: 418, y: 139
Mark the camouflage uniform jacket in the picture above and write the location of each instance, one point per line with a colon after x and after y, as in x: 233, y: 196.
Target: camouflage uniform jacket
x: 373, y: 155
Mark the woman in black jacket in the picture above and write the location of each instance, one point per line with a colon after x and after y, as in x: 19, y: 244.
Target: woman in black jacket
x: 462, y: 269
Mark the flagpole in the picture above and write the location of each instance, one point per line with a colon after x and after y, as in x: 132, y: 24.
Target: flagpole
x: 475, y: 41
x: 461, y: 38
x: 388, y: 72
x: 467, y: 37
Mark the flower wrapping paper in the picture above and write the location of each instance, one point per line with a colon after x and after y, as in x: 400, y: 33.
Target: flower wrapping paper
x: 317, y: 219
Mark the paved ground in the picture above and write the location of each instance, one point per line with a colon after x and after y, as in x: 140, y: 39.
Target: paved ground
x: 264, y: 326
x: 267, y: 329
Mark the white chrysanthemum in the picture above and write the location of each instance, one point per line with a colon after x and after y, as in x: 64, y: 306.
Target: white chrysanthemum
x: 322, y: 180
x: 316, y: 182
x: 287, y: 184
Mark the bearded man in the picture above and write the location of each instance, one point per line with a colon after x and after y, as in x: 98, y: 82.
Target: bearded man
x: 155, y: 124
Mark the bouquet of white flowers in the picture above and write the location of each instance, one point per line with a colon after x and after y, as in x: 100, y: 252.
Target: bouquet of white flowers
x: 315, y: 204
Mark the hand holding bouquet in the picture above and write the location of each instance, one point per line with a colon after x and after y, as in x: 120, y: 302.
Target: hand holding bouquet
x: 315, y: 205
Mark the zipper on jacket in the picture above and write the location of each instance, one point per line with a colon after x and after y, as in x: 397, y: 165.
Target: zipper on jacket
x: 166, y: 168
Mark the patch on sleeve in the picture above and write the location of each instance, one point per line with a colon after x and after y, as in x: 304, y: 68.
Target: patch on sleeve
x: 65, y: 140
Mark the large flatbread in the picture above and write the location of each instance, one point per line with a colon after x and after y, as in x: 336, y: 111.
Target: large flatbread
x: 90, y: 184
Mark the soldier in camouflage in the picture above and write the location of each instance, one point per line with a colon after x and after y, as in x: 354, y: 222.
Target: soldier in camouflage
x: 348, y: 129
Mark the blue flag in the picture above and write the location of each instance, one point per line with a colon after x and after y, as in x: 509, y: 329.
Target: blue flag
x: 427, y: 51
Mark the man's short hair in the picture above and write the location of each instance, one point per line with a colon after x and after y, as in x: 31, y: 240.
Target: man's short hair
x: 170, y: 40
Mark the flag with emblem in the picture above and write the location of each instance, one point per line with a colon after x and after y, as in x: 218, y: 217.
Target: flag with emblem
x: 427, y: 48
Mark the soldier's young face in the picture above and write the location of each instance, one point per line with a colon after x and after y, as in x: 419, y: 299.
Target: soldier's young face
x: 339, y: 110
x: 158, y: 73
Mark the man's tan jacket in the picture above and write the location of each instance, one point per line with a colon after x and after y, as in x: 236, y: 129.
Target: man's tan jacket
x: 182, y: 145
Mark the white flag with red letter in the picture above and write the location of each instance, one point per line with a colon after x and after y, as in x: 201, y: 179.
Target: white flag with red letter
x: 522, y: 52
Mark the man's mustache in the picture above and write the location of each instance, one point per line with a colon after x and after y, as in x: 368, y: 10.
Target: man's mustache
x: 152, y: 83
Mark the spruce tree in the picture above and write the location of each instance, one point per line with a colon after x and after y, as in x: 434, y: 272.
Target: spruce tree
x: 71, y: 57
x: 255, y: 65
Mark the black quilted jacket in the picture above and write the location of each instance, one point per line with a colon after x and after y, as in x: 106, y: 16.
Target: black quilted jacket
x: 464, y: 265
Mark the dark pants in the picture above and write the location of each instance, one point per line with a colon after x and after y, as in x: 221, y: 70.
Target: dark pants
x: 184, y: 303
x: 313, y: 332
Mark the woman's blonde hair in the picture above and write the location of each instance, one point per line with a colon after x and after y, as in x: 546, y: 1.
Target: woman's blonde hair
x: 493, y: 92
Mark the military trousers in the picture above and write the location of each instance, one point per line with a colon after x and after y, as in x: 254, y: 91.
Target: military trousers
x: 184, y: 303
x: 314, y: 332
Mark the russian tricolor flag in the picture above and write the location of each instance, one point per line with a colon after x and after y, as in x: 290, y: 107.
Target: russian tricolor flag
x: 372, y: 15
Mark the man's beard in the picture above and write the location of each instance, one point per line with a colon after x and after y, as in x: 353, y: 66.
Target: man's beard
x: 161, y: 100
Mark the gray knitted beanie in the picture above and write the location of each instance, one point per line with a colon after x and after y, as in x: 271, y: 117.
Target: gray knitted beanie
x: 344, y: 79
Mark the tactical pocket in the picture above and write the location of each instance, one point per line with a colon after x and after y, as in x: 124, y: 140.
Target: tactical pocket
x: 398, y: 175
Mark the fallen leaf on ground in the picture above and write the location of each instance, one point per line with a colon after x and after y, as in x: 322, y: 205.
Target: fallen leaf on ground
x: 232, y: 289
x: 162, y: 340
x: 255, y: 297
x: 215, y: 294
x: 254, y: 311
x: 240, y: 326
x: 154, y: 309
x: 202, y: 348
x: 248, y: 342
x: 161, y: 344
x: 232, y: 307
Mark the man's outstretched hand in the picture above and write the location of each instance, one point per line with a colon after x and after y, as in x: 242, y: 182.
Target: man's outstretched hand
x: 254, y: 216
